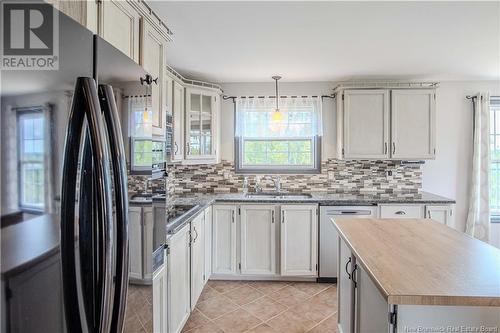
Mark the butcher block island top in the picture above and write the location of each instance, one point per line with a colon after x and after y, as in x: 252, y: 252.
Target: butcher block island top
x: 423, y: 262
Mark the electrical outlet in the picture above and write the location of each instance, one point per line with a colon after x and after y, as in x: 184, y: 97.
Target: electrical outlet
x: 388, y: 174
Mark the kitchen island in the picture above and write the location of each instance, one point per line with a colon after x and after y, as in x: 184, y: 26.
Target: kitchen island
x: 415, y: 275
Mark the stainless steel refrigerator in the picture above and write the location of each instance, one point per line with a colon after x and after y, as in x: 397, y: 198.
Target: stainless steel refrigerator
x: 64, y: 189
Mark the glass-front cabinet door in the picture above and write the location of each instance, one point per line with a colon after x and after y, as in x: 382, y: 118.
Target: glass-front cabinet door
x: 200, y: 124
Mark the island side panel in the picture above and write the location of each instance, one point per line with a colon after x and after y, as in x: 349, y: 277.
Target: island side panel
x: 414, y: 318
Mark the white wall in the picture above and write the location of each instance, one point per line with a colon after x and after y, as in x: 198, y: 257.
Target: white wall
x: 447, y: 175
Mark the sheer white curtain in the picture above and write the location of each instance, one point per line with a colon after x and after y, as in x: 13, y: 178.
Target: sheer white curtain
x: 478, y: 217
x: 309, y: 108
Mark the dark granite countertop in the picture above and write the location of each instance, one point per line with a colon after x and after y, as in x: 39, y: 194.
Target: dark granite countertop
x: 26, y: 243
x: 202, y: 201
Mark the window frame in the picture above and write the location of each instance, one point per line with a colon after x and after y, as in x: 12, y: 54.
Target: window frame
x: 494, y: 218
x: 240, y: 168
x: 135, y: 169
x: 20, y: 112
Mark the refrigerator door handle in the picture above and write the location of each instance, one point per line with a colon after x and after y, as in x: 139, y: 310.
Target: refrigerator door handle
x: 85, y: 106
x: 117, y: 154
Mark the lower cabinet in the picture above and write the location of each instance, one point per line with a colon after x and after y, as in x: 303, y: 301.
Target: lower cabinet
x: 178, y: 262
x: 224, y: 240
x: 197, y: 257
x: 208, y: 243
x: 442, y: 214
x: 258, y: 239
x: 141, y: 223
x: 264, y: 240
x: 299, y: 240
x: 160, y: 300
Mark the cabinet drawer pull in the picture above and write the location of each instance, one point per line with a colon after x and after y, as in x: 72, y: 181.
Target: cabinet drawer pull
x: 385, y: 147
x: 347, y: 264
x: 272, y: 221
x: 393, y: 148
x: 196, y: 236
x: 176, y: 148
x: 400, y: 212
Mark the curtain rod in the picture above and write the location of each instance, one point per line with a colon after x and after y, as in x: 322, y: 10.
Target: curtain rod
x: 225, y: 97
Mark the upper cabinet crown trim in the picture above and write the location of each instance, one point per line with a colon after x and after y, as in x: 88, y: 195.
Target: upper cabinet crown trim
x: 384, y: 85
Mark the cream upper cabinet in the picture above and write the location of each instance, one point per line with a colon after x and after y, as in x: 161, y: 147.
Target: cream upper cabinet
x: 258, y: 239
x: 299, y: 240
x: 202, y: 110
x: 382, y: 124
x: 178, y: 122
x: 413, y: 124
x: 153, y: 59
x: 119, y: 25
x: 366, y: 123
x: 84, y: 12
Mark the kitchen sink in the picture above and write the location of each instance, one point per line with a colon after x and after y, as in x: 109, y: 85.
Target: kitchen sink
x: 278, y: 195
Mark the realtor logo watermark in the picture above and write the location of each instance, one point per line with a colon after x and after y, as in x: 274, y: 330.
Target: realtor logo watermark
x: 30, y: 36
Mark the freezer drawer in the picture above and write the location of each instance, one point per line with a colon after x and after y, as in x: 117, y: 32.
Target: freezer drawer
x: 328, y: 237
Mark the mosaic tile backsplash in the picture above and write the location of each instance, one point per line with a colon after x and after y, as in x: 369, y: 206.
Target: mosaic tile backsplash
x: 337, y: 176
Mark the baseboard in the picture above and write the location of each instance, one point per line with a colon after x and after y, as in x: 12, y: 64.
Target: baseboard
x: 327, y: 280
x: 262, y: 278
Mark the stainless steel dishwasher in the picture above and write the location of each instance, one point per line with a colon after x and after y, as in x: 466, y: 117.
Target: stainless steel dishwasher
x: 328, y: 237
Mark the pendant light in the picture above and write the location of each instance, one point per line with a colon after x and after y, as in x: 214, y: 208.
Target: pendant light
x: 277, y: 114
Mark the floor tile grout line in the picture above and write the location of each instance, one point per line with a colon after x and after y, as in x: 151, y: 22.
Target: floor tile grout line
x: 322, y: 321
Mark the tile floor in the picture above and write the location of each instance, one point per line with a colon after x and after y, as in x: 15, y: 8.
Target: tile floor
x: 265, y: 307
x: 139, y: 313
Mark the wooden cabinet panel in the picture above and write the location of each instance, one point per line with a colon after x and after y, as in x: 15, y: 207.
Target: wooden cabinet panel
x: 153, y: 59
x: 135, y: 242
x: 159, y: 298
x: 224, y: 239
x: 299, y: 240
x: 413, y: 124
x: 148, y: 225
x: 197, y: 258
x: 178, y: 262
x: 178, y: 122
x: 258, y: 240
x: 345, y: 314
x: 371, y: 308
x: 442, y: 214
x: 366, y: 123
x: 208, y: 243
x: 119, y: 25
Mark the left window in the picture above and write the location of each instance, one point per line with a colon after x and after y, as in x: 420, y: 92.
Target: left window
x: 141, y: 157
x: 31, y: 152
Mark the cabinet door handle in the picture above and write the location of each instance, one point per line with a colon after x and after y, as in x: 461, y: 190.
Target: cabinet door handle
x: 347, y: 264
x: 272, y: 221
x: 282, y: 217
x: 353, y: 276
x: 233, y: 216
x: 429, y: 214
x: 400, y: 212
x: 393, y: 148
x: 176, y: 147
x: 195, y: 237
x: 385, y: 147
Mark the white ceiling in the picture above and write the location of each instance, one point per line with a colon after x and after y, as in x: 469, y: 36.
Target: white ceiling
x: 329, y: 41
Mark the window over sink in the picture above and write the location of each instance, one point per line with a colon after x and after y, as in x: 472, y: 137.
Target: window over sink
x: 288, y: 142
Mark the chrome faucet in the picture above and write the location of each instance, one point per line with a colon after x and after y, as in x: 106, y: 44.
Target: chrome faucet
x: 276, y: 181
